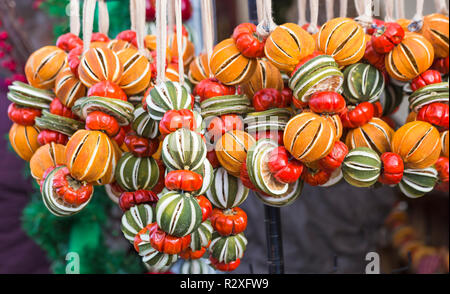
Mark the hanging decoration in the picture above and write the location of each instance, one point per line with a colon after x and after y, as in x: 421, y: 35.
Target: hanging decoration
x: 179, y: 140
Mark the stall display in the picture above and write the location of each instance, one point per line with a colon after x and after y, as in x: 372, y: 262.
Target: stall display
x: 179, y: 140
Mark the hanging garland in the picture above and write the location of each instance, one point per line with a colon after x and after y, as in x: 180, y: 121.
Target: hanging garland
x: 272, y: 107
x: 411, y: 247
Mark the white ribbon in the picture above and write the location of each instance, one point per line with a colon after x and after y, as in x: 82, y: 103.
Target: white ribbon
x: 301, y: 5
x: 417, y: 20
x: 441, y: 7
x: 330, y: 9
x: 399, y: 9
x: 389, y: 17
x: 207, y: 29
x: 364, y: 8
x: 266, y: 25
x: 343, y: 8
x: 75, y: 17
x: 179, y: 24
x: 140, y: 26
x: 161, y: 40
x: 88, y: 22
x: 103, y: 17
x: 132, y: 15
x: 419, y: 11
x: 314, y: 15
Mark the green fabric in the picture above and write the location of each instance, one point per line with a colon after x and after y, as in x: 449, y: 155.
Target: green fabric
x: 119, y: 16
x: 80, y: 233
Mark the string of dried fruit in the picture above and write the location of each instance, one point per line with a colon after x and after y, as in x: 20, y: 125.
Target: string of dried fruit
x: 408, y: 241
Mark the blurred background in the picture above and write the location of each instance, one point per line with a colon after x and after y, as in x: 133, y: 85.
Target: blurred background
x: 324, y: 231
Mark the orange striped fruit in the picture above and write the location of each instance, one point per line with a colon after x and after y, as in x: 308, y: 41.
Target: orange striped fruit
x: 228, y: 64
x: 418, y: 144
x: 150, y: 42
x: 232, y: 148
x: 376, y: 135
x: 68, y: 88
x: 309, y: 137
x: 108, y: 177
x: 444, y: 144
x: 411, y: 117
x: 410, y: 58
x: 49, y: 155
x: 43, y: 65
x: 89, y: 155
x: 344, y: 39
x: 435, y: 29
x: 118, y: 45
x: 199, y: 69
x: 136, y: 73
x: 187, y: 50
x: 287, y: 45
x: 265, y: 76
x: 99, y: 64
x: 337, y: 123
x: 23, y: 140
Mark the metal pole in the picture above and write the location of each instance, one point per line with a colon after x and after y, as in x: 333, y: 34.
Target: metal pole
x: 274, y: 241
x: 271, y: 214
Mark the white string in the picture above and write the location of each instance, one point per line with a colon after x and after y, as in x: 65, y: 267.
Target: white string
x: 419, y: 11
x: 179, y: 24
x: 365, y: 12
x: 441, y: 7
x: 399, y: 9
x: 259, y: 10
x: 266, y: 25
x: 88, y: 22
x: 132, y: 15
x: 389, y: 17
x: 343, y: 8
x: 171, y: 15
x: 359, y: 5
x: 75, y: 17
x: 301, y: 5
x: 140, y: 25
x: 103, y: 17
x: 417, y: 20
x: 161, y: 40
x: 208, y: 29
x: 314, y: 15
x: 330, y: 9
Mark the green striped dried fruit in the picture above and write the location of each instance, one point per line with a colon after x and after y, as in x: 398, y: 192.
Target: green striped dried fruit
x: 64, y: 125
x: 121, y: 110
x: 136, y: 173
x: 201, y: 237
x: 417, y: 182
x: 320, y: 73
x: 229, y: 104
x: 226, y: 190
x: 183, y: 149
x: 429, y: 94
x: 362, y: 82
x: 178, y: 213
x: 196, y: 267
x: 135, y: 219
x: 28, y: 96
x: 167, y: 96
x: 361, y: 167
x: 143, y: 124
x: 227, y: 248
